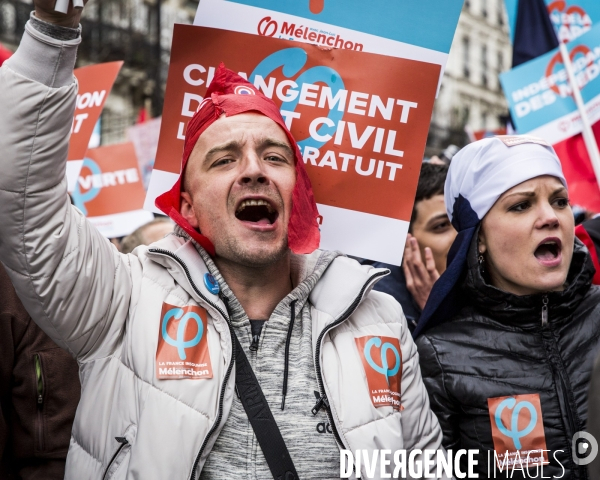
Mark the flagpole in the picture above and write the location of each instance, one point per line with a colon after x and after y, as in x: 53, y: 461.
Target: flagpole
x: 588, y: 134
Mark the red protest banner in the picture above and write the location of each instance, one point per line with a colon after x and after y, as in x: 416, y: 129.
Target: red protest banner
x: 109, y: 190
x: 481, y: 134
x: 95, y: 83
x: 361, y: 121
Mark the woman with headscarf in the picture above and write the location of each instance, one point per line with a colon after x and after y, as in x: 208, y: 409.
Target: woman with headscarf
x: 508, y: 337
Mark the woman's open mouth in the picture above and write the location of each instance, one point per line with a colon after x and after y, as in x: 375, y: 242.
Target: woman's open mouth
x: 256, y: 211
x: 549, y: 252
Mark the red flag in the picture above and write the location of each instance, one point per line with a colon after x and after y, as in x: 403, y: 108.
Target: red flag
x: 5, y: 54
x: 578, y: 170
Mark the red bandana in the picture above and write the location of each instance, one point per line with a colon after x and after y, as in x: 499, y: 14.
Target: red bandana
x: 231, y: 94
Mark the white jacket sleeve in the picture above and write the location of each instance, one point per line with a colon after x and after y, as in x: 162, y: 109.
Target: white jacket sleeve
x: 72, y: 281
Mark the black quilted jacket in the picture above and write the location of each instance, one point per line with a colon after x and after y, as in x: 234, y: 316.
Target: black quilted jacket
x: 497, y: 346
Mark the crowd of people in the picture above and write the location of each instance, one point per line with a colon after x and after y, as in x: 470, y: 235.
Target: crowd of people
x: 494, y: 307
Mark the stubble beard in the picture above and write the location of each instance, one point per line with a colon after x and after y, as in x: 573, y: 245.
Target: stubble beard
x: 234, y: 251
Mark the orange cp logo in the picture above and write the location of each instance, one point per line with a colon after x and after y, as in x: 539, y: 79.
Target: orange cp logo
x: 382, y: 361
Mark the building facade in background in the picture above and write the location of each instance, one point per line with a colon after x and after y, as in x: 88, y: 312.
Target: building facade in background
x: 140, y: 31
x: 471, y: 95
x: 136, y: 31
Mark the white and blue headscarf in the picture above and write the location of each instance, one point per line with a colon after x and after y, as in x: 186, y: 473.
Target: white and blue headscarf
x: 479, y: 174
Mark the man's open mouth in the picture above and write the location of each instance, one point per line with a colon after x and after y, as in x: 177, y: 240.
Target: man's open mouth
x: 256, y: 211
x: 548, y: 250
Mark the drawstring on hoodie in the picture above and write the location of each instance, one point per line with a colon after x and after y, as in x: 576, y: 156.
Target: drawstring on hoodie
x: 287, y: 353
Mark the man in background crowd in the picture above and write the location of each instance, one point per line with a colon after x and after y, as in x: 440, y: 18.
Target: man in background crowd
x: 146, y: 234
x: 427, y: 245
x: 39, y: 392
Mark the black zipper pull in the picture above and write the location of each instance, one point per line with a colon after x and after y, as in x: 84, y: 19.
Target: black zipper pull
x: 545, y: 310
x: 254, y: 344
x: 121, y: 440
x: 322, y: 401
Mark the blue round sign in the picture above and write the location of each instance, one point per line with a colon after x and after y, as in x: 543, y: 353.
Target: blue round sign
x: 211, y: 284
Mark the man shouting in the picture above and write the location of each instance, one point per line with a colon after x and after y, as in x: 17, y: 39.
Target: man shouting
x: 230, y: 349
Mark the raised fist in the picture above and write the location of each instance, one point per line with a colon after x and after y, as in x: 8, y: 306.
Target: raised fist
x: 44, y: 10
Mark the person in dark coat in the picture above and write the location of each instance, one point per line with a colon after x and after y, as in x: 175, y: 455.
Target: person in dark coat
x: 430, y: 236
x: 39, y: 393
x: 593, y: 426
x: 509, y: 334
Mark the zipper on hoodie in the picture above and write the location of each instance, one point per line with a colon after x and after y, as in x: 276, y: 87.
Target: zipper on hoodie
x: 39, y: 383
x: 213, y: 429
x: 323, y: 401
